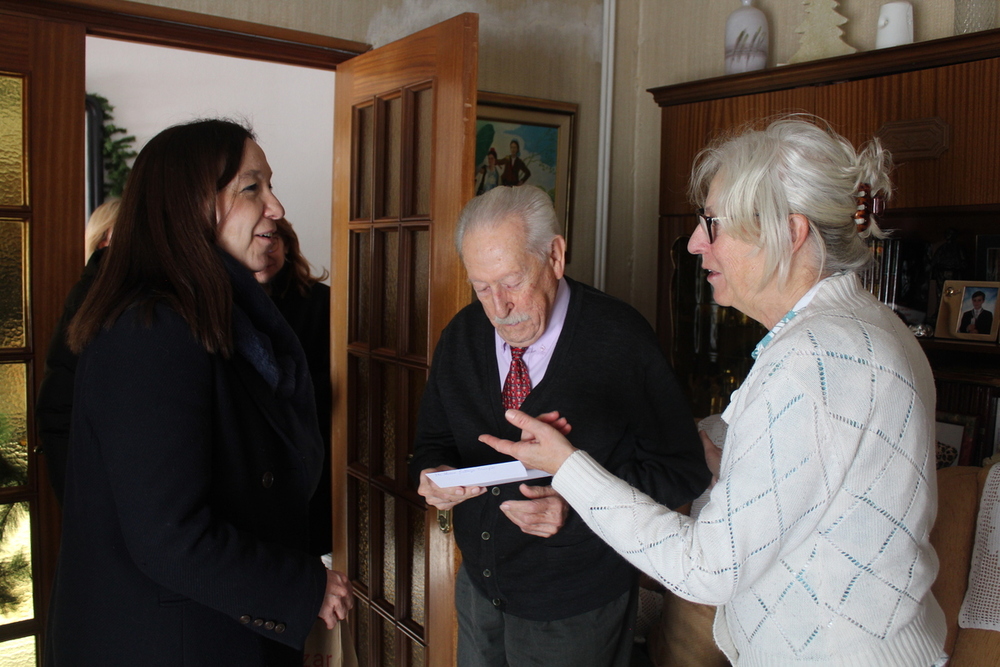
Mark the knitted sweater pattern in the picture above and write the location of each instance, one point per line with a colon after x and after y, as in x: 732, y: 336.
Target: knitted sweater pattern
x: 815, y: 539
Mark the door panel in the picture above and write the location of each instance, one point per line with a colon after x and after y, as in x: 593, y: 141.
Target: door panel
x: 404, y: 150
x: 41, y: 243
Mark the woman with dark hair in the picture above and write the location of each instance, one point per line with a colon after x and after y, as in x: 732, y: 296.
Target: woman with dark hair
x: 195, y: 446
x: 305, y: 303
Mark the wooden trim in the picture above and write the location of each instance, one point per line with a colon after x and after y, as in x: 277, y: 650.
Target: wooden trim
x: 530, y: 103
x: 862, y: 65
x: 120, y: 19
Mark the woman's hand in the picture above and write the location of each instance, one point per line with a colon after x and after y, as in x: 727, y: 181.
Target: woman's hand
x: 713, y: 455
x: 339, y: 599
x: 542, y: 447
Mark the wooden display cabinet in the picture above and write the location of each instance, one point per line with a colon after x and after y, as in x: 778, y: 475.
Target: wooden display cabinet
x: 935, y: 105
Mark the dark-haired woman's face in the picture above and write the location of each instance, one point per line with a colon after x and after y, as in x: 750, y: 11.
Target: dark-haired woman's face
x: 246, y: 210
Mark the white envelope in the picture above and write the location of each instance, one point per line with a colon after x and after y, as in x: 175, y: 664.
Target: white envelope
x: 496, y: 473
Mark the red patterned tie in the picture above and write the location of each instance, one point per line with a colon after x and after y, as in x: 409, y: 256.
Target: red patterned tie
x: 517, y: 385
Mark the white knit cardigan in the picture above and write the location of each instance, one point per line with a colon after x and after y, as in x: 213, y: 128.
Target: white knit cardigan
x: 814, y: 542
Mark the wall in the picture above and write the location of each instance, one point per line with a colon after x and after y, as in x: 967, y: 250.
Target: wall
x: 290, y: 109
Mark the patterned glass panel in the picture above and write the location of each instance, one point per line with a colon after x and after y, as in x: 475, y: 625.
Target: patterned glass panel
x: 418, y: 567
x: 392, y: 129
x: 389, y: 549
x: 15, y: 564
x: 361, y: 286
x: 13, y: 425
x: 416, y: 379
x: 423, y: 108
x: 12, y: 297
x: 357, y: 502
x: 420, y: 259
x: 18, y: 653
x: 390, y: 287
x: 389, y: 415
x: 365, y: 151
x: 364, y: 616
x: 13, y: 179
x: 417, y: 651
x: 388, y: 641
x: 361, y: 442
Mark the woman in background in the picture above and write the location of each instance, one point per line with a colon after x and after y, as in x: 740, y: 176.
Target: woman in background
x: 814, y: 543
x: 54, y: 405
x: 305, y: 303
x: 195, y: 446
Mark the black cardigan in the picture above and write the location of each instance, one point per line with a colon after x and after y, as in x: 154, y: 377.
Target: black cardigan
x: 608, y: 377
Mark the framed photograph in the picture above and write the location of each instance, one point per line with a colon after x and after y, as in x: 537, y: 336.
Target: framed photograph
x: 967, y: 311
x: 525, y: 140
x: 988, y: 257
x: 955, y: 437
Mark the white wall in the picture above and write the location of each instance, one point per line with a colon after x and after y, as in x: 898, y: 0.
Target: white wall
x: 290, y: 109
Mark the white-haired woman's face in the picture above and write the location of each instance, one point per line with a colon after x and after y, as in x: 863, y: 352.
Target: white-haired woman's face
x: 735, y: 267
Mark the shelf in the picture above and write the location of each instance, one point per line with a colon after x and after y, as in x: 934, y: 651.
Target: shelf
x: 933, y: 344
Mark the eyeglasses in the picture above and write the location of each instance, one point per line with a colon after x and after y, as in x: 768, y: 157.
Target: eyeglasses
x: 708, y: 223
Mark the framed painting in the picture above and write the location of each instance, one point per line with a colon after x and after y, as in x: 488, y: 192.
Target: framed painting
x: 988, y: 257
x: 967, y: 311
x: 525, y: 140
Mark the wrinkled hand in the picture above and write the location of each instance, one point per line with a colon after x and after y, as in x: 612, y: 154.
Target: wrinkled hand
x: 542, y: 515
x: 541, y: 447
x: 555, y: 421
x: 338, y: 600
x: 713, y: 455
x: 445, y: 498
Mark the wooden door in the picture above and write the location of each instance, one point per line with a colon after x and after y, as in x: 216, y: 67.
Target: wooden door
x: 404, y: 158
x: 41, y: 243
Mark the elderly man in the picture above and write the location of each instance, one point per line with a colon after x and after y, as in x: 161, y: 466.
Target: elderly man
x: 537, y: 587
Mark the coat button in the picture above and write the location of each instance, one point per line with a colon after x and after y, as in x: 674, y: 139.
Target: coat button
x: 257, y: 622
x: 495, y: 490
x: 269, y: 625
x: 486, y: 535
x: 487, y: 573
x: 496, y: 602
x: 244, y: 619
x: 279, y: 628
x: 267, y: 480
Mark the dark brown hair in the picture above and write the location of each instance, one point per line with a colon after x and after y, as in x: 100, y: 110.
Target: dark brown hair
x: 165, y: 237
x: 296, y: 265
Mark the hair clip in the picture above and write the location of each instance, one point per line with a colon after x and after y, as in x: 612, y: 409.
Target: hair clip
x: 869, y: 207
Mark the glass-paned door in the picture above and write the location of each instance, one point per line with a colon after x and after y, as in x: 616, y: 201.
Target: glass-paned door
x: 41, y: 156
x: 404, y: 140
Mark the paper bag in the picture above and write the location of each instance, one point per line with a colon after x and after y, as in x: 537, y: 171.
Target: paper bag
x: 329, y: 648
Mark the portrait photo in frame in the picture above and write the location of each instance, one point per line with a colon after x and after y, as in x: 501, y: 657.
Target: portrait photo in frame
x: 526, y: 141
x: 968, y: 310
x: 988, y: 257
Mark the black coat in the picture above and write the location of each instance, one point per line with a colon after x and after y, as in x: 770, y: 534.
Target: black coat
x: 984, y: 324
x: 55, y: 397
x: 188, y: 483
x: 309, y: 316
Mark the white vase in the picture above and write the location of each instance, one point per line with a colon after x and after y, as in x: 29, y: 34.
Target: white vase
x: 895, y: 25
x: 746, y: 39
x: 974, y: 15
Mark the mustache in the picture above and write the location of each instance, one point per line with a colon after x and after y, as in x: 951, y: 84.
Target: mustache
x: 513, y: 318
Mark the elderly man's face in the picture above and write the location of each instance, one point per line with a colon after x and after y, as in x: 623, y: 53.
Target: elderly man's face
x: 517, y: 289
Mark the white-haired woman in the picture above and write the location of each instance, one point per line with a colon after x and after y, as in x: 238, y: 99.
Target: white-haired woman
x: 814, y: 543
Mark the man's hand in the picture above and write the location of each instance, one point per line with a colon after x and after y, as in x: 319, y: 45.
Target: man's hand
x: 339, y: 598
x: 543, y: 515
x: 713, y: 455
x: 445, y: 498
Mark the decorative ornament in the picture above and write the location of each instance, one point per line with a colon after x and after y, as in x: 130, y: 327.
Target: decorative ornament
x: 746, y: 39
x: 895, y: 25
x: 821, y: 36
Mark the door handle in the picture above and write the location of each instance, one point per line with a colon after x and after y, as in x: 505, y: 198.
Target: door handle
x: 444, y: 520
